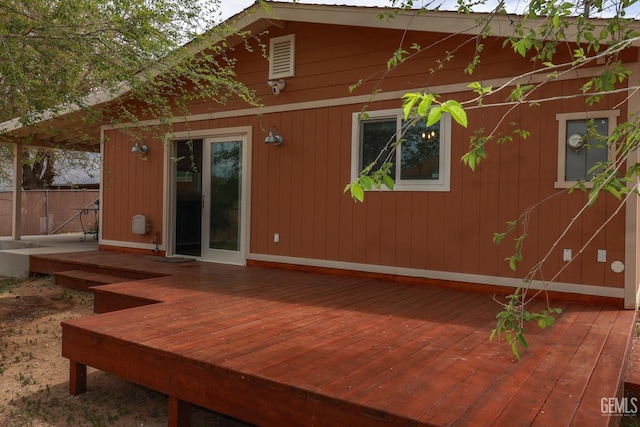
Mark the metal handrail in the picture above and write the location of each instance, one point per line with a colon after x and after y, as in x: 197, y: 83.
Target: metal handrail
x: 74, y: 216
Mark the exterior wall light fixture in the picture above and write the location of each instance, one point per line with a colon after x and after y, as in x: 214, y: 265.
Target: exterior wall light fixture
x: 576, y: 142
x: 140, y: 148
x: 274, y: 137
x: 277, y: 86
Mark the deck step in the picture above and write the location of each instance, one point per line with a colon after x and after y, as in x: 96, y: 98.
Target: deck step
x: 83, y: 280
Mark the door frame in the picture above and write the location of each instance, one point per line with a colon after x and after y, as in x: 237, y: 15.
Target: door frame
x: 243, y: 133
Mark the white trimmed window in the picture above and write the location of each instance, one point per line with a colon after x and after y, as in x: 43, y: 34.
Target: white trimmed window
x: 282, y: 56
x: 421, y: 163
x: 582, y: 144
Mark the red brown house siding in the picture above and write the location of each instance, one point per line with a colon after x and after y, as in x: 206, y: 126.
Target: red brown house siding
x: 297, y: 188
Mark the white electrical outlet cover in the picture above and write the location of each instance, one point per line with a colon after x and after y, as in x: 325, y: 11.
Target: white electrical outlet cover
x: 602, y: 255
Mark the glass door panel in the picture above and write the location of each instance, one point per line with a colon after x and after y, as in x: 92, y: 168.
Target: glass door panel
x: 188, y: 218
x: 226, y: 182
x: 222, y: 220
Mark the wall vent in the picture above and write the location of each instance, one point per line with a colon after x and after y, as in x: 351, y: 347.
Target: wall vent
x: 282, y: 57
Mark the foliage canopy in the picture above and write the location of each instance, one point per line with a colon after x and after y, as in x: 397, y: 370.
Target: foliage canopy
x: 57, y: 56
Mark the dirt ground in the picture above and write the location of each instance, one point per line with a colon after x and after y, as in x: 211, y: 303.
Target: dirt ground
x: 34, y: 377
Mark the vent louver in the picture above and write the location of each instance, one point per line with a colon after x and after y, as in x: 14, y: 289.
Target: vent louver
x: 281, y: 57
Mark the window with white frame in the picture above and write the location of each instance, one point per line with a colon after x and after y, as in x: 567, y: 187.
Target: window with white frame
x: 420, y: 163
x: 582, y: 144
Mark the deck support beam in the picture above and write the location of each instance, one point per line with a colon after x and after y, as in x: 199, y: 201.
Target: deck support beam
x: 77, y: 378
x: 179, y: 413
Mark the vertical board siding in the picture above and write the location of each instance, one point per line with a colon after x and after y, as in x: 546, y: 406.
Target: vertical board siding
x: 296, y: 184
x: 531, y: 161
x: 276, y: 162
x: 133, y: 184
x: 336, y: 164
x: 403, y: 229
x: 322, y: 171
x: 282, y: 223
x: 422, y: 214
x: 374, y: 226
x: 438, y: 231
x: 346, y: 207
x: 297, y: 188
x: 309, y: 176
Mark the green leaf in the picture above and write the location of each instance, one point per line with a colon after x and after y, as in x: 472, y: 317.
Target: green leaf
x: 550, y: 320
x: 355, y: 85
x: 514, y: 349
x: 424, y: 105
x: 593, y: 196
x: 497, y: 237
x: 434, y: 116
x: 479, y: 89
x: 410, y: 100
x: 357, y: 192
x: 366, y: 182
x: 388, y: 182
x: 523, y: 341
x: 457, y: 112
x: 470, y: 159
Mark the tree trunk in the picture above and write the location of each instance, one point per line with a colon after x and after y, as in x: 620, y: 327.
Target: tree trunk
x: 37, y: 170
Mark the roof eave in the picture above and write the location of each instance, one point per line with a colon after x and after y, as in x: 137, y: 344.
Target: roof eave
x: 257, y: 19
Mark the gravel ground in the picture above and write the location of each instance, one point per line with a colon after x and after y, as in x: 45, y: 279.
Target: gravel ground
x: 34, y: 376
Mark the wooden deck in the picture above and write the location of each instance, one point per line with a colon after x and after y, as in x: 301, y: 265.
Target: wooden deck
x: 275, y: 347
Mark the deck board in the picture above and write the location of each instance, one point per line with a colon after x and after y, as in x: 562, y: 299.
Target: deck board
x: 571, y: 386
x: 615, y: 353
x: 508, y: 385
x: 276, y: 347
x: 560, y: 363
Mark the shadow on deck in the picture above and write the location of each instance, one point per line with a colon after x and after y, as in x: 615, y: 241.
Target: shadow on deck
x: 274, y: 347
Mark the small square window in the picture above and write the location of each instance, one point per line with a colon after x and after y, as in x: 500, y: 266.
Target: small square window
x: 424, y: 152
x: 582, y: 144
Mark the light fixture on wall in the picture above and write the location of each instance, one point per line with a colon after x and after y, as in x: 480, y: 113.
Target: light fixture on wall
x: 274, y: 137
x: 140, y: 148
x: 576, y: 142
x: 277, y: 86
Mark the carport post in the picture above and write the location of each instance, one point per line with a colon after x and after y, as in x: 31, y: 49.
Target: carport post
x: 16, y: 220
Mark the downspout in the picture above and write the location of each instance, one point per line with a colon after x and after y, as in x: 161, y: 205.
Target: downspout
x: 632, y: 237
